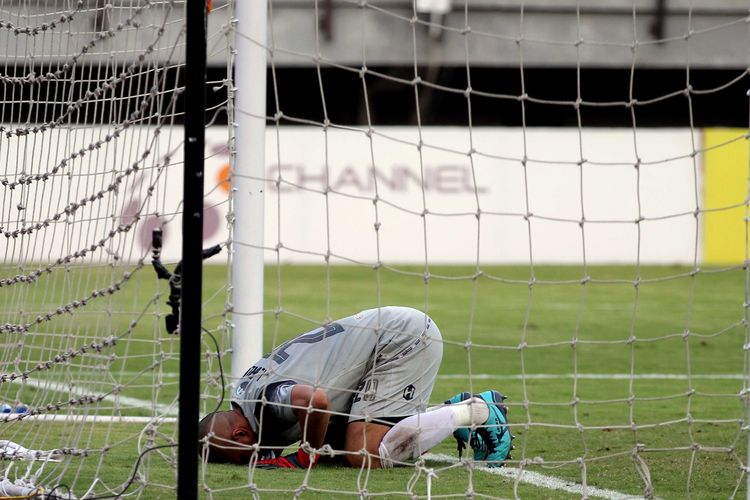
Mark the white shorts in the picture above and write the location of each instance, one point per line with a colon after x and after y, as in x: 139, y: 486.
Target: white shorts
x: 401, y: 379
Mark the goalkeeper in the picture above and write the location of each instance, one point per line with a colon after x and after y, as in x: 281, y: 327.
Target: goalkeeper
x: 359, y: 385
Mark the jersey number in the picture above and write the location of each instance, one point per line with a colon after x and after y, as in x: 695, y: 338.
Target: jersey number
x: 280, y: 355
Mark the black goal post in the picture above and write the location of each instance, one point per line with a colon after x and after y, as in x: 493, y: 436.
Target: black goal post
x: 194, y: 104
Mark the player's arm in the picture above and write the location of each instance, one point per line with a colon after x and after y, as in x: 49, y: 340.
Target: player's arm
x: 310, y: 405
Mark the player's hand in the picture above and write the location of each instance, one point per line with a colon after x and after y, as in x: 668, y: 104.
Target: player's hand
x: 299, y: 460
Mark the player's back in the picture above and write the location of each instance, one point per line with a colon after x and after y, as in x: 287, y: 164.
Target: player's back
x: 338, y: 356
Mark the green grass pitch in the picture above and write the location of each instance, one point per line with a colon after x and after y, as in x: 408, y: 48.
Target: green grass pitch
x: 600, y: 322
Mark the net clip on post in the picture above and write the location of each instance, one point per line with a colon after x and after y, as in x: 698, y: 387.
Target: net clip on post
x: 175, y: 278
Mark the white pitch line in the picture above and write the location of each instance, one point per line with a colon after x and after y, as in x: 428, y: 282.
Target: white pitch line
x: 81, y: 418
x: 593, y: 376
x: 171, y: 411
x: 79, y: 390
x: 540, y: 480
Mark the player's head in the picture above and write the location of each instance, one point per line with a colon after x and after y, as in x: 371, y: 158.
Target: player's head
x: 228, y: 435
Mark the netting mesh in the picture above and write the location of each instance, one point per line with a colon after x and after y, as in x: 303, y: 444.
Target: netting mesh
x: 623, y: 380
x: 92, y: 151
x: 630, y: 372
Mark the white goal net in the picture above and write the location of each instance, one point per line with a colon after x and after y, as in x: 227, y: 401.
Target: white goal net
x: 92, y: 147
x: 594, y: 272
x: 595, y: 275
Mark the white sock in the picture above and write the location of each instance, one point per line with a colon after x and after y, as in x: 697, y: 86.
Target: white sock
x: 473, y: 411
x: 415, y: 435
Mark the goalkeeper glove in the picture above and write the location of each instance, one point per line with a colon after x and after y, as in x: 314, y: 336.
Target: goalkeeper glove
x: 299, y: 460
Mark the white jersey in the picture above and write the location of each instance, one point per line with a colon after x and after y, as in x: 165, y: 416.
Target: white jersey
x: 379, y: 363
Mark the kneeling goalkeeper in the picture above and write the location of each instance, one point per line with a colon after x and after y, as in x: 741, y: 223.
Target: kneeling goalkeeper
x: 361, y: 385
